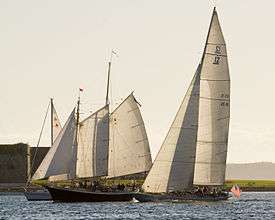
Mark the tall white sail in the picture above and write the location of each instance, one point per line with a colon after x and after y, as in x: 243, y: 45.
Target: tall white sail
x: 214, y: 110
x: 56, y: 125
x: 59, y: 158
x: 92, y: 149
x: 129, y: 151
x: 173, y: 168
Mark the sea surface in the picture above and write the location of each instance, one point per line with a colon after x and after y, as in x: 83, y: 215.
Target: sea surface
x: 249, y: 206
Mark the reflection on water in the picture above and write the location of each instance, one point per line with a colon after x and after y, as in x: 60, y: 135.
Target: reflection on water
x: 249, y: 206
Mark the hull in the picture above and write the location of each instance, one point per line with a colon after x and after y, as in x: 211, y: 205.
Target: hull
x: 73, y: 195
x: 146, y: 197
x: 38, y: 196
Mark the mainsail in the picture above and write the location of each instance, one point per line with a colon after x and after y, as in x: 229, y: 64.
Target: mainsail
x: 129, y: 151
x: 173, y: 168
x: 92, y: 149
x: 58, y: 159
x: 214, y: 110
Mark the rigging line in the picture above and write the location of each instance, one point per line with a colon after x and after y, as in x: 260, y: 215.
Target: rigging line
x: 36, y: 149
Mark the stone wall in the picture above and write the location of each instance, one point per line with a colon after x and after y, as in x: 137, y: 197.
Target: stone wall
x: 14, y: 162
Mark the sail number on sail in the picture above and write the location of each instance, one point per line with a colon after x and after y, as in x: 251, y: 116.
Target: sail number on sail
x: 217, y: 58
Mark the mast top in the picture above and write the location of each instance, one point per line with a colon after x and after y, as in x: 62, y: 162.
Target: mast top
x: 109, y: 72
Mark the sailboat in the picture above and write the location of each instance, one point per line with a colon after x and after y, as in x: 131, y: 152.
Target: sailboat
x: 193, y: 154
x: 55, y: 130
x: 104, y: 145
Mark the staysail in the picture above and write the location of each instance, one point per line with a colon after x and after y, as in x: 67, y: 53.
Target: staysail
x: 129, y: 151
x: 92, y: 149
x: 173, y: 168
x: 58, y: 159
x: 214, y: 110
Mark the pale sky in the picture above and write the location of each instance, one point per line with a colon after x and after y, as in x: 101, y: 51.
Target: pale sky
x: 50, y: 48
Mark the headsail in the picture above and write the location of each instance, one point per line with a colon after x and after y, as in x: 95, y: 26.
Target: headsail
x: 55, y: 123
x: 214, y: 110
x: 173, y: 168
x: 58, y: 159
x: 129, y: 151
x: 92, y: 149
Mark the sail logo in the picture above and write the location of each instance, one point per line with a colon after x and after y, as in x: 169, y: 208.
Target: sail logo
x: 217, y: 58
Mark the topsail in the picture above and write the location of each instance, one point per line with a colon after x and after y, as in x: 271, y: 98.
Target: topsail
x: 55, y: 122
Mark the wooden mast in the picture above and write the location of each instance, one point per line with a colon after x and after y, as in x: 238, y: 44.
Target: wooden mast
x: 51, y: 121
x: 108, y: 82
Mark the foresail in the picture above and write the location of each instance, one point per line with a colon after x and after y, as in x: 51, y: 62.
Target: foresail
x: 129, y: 151
x: 56, y: 125
x: 58, y: 159
x: 214, y: 110
x: 92, y: 151
x: 173, y: 168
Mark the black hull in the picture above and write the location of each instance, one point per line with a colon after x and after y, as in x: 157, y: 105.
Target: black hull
x: 73, y: 195
x: 146, y: 197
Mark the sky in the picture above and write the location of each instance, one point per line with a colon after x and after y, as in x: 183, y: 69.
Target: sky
x: 49, y: 48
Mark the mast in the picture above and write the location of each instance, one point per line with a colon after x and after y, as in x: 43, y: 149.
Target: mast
x: 51, y: 121
x: 108, y: 82
x: 109, y: 73
x: 77, y: 117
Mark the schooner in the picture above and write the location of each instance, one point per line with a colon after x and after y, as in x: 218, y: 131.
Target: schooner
x: 105, y: 144
x: 195, y: 149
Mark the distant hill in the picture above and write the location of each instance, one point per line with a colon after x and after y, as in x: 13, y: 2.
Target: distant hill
x: 251, y: 171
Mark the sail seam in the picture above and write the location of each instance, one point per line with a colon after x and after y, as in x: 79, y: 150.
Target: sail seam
x: 215, y: 99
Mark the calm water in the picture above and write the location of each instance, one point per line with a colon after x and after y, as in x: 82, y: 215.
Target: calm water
x: 250, y: 206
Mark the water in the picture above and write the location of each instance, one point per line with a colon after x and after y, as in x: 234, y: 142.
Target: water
x: 250, y: 206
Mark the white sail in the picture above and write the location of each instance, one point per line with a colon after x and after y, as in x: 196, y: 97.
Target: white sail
x: 56, y: 125
x: 214, y: 110
x: 59, y: 158
x: 129, y: 151
x: 92, y: 149
x: 173, y: 168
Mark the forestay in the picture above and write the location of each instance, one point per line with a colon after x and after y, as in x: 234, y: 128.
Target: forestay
x: 214, y: 110
x: 173, y: 167
x: 129, y: 151
x: 92, y: 150
x: 59, y: 158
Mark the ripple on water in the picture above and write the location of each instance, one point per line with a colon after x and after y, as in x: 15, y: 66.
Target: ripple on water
x: 250, y: 206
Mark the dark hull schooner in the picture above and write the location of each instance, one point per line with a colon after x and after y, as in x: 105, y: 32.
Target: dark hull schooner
x: 76, y: 195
